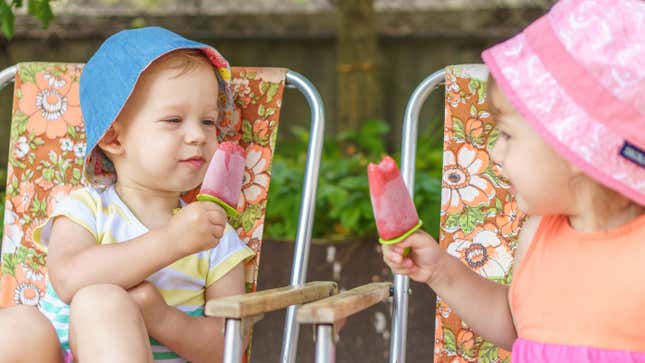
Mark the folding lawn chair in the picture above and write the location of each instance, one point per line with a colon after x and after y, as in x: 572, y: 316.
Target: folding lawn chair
x: 46, y: 157
x: 480, y: 220
x: 479, y: 223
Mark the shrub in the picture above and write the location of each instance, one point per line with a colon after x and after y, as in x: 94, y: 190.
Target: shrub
x: 343, y: 208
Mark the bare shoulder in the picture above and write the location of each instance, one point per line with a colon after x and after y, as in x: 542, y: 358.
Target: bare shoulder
x: 527, y: 232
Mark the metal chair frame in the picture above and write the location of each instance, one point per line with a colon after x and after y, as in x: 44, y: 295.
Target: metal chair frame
x: 233, y: 327
x: 324, y: 331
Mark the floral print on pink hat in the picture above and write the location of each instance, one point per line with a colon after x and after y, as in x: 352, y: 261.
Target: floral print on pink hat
x: 577, y: 75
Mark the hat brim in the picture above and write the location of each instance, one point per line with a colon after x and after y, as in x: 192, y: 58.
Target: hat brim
x: 573, y: 132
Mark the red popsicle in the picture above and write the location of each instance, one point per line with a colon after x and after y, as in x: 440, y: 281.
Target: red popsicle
x: 395, y: 214
x: 223, y: 181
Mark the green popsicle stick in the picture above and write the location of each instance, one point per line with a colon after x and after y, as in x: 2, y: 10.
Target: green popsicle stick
x: 230, y: 211
x: 406, y: 251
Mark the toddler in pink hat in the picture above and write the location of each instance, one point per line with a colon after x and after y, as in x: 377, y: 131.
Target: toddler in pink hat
x: 568, y: 95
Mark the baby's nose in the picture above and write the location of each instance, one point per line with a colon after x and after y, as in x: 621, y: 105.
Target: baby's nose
x: 496, y: 154
x: 195, y: 136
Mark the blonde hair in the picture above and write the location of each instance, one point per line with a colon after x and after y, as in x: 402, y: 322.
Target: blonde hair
x: 182, y: 60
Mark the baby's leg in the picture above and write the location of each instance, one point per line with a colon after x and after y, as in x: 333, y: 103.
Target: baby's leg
x: 27, y: 336
x: 106, y: 326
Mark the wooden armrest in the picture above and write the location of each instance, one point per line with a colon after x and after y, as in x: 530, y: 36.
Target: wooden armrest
x: 347, y: 303
x: 245, y: 305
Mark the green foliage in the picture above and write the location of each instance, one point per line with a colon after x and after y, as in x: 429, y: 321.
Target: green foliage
x: 343, y: 208
x: 41, y: 9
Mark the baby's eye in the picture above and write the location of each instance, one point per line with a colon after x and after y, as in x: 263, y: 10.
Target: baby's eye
x: 504, y: 135
x: 173, y: 120
x: 209, y: 122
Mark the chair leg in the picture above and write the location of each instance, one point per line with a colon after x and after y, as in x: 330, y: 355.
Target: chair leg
x: 233, y: 341
x: 325, y: 344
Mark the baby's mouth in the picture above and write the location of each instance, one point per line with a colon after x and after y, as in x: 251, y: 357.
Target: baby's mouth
x: 195, y: 161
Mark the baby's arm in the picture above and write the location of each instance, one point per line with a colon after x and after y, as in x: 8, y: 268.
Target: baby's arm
x: 481, y: 303
x: 196, y: 339
x: 75, y: 260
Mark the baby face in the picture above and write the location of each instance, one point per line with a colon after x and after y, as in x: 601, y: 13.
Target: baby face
x: 540, y: 178
x: 168, y: 127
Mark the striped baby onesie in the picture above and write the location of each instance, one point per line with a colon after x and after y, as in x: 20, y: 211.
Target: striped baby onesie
x: 182, y: 284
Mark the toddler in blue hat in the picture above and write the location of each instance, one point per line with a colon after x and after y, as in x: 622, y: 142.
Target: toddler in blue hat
x: 122, y: 267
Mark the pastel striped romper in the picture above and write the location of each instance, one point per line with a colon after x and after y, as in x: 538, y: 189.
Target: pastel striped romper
x: 182, y: 284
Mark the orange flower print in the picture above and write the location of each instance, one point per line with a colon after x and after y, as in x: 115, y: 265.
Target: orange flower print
x: 46, y: 184
x: 27, y: 293
x: 36, y: 275
x: 22, y: 201
x: 51, y: 103
x: 458, y: 359
x: 509, y: 221
x: 10, y: 173
x: 463, y: 182
x: 256, y: 175
x: 483, y: 250
x: 66, y: 144
x: 56, y: 195
x: 455, y: 98
x: 454, y: 94
x: 466, y: 339
x: 21, y: 148
x: 250, y: 271
x: 13, y: 232
x: 438, y: 336
x: 242, y: 91
x: 228, y: 128
x: 447, y: 125
x: 255, y: 244
x: 30, y: 289
x: 9, y: 284
x: 262, y: 130
x: 443, y: 309
x: 79, y: 150
x: 466, y: 345
x: 475, y: 128
x: 28, y: 239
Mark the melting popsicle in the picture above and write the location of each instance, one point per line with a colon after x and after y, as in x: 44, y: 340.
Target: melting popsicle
x: 395, y: 214
x: 223, y: 181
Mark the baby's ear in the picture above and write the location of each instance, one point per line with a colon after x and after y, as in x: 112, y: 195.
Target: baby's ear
x: 110, y: 142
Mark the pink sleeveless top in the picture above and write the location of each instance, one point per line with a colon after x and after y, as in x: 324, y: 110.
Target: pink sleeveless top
x: 580, y: 297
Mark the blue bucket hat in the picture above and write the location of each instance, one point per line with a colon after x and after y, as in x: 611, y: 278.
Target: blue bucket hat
x: 109, y: 77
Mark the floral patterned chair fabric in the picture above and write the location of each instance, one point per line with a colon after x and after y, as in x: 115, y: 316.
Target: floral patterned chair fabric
x: 479, y: 217
x: 46, y: 157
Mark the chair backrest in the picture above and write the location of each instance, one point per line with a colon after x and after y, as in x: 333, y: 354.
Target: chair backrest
x: 479, y: 217
x: 47, y: 146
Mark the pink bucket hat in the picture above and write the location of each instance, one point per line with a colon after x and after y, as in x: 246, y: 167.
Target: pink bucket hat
x: 577, y: 75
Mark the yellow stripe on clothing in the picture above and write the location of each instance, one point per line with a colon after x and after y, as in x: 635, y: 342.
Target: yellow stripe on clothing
x: 227, y: 265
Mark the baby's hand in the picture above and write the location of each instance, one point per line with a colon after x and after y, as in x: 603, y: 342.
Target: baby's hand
x: 197, y: 227
x: 422, y: 262
x: 150, y: 302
